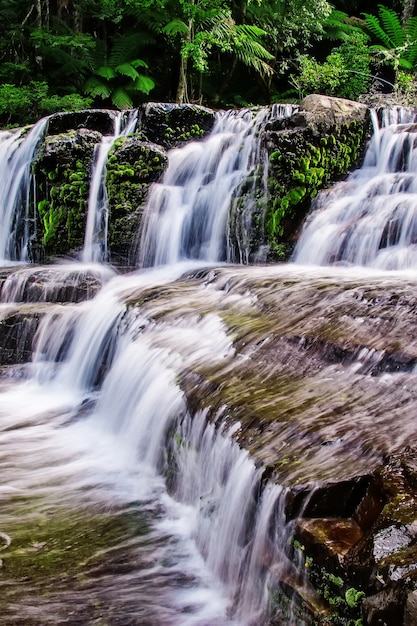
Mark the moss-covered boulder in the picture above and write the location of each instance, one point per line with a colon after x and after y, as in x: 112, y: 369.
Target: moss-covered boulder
x: 306, y: 152
x: 170, y: 125
x: 63, y: 171
x: 131, y: 167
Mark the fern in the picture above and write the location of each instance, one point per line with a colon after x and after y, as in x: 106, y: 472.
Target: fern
x: 397, y: 44
x: 121, y: 98
x: 116, y: 76
x: 339, y: 26
x: 176, y: 27
x: 392, y: 26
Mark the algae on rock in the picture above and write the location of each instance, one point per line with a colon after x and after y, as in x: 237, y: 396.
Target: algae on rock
x: 62, y: 172
x: 131, y: 167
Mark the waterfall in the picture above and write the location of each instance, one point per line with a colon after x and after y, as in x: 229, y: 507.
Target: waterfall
x: 95, y: 242
x: 187, y: 213
x: 371, y: 218
x: 17, y: 150
x: 117, y: 415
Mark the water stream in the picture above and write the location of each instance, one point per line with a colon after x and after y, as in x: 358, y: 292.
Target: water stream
x: 126, y: 503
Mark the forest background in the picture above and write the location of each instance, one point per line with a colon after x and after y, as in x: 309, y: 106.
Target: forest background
x: 73, y: 54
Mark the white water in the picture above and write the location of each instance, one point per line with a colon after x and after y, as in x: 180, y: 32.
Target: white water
x: 371, y: 219
x: 102, y: 420
x: 16, y: 154
x: 186, y: 216
x: 95, y: 241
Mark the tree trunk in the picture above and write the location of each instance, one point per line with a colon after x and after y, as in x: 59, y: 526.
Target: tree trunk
x: 181, y: 96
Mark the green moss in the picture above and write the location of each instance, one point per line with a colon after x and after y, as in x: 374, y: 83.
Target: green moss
x: 303, y: 164
x: 57, y: 543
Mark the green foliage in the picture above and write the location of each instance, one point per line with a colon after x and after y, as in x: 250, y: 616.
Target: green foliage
x: 345, y: 72
x: 115, y: 76
x: 32, y: 101
x: 396, y: 43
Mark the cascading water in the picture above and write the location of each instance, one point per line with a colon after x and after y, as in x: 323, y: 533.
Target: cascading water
x: 100, y: 425
x: 187, y: 212
x: 95, y: 242
x: 371, y: 219
x: 16, y: 153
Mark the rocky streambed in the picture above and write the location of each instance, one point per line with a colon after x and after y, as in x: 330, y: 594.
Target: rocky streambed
x: 316, y: 379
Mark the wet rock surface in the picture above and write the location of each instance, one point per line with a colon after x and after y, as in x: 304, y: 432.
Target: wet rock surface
x: 170, y: 125
x: 322, y: 417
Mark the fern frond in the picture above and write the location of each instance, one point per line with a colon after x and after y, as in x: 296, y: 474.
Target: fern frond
x: 176, y: 27
x: 124, y: 49
x: 106, y: 72
x: 391, y: 24
x: 126, y: 69
x: 144, y: 84
x: 121, y: 98
x: 97, y: 88
x: 138, y: 63
x: 377, y: 31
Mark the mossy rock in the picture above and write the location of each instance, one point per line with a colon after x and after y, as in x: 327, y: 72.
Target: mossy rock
x: 99, y: 120
x: 131, y: 167
x: 170, y: 125
x: 306, y: 153
x: 63, y: 171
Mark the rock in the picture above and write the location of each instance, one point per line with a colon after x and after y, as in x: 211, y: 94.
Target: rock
x: 99, y: 120
x: 322, y: 112
x: 170, y: 125
x: 131, y: 167
x: 385, y: 608
x: 389, y: 541
x: 63, y: 169
x: 410, y: 611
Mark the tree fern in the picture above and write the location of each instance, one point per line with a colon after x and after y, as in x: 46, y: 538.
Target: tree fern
x: 339, y: 26
x: 115, y: 75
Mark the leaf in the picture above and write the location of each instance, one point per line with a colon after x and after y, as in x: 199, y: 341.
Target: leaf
x: 95, y: 87
x: 121, y: 98
x: 126, y: 69
x: 176, y: 27
x: 138, y: 63
x: 106, y: 72
x: 144, y: 84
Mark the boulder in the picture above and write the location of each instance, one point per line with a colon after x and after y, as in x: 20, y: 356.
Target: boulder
x: 171, y: 125
x: 131, y: 167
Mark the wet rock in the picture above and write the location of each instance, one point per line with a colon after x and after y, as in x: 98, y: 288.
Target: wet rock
x: 50, y: 284
x: 17, y: 332
x: 132, y: 166
x: 410, y: 611
x: 99, y: 120
x: 63, y: 171
x: 329, y: 499
x: 170, y: 125
x: 389, y: 541
x: 385, y: 608
x: 320, y: 111
x: 328, y: 541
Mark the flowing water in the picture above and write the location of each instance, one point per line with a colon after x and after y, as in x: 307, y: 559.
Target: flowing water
x: 126, y: 501
x: 95, y: 241
x: 370, y: 219
x: 17, y: 150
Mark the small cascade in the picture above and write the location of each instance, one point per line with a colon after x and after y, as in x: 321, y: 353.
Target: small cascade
x: 370, y: 219
x: 124, y: 369
x: 187, y: 213
x: 95, y: 242
x: 16, y: 154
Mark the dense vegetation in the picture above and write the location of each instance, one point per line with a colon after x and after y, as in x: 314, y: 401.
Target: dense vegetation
x: 72, y: 54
